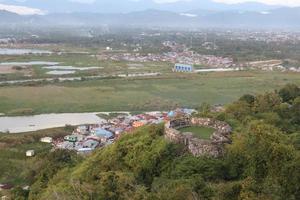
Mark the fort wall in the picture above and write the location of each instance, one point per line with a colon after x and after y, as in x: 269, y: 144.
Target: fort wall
x: 198, y: 147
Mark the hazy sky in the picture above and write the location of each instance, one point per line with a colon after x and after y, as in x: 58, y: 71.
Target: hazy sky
x: 111, y: 6
x: 272, y: 2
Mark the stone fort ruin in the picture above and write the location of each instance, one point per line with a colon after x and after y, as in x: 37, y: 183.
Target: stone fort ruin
x: 213, y: 147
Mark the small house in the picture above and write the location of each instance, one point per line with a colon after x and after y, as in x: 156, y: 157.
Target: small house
x: 137, y: 124
x: 82, y: 130
x: 46, y: 140
x: 30, y: 153
x: 71, y: 138
x: 85, y: 151
x: 90, y: 143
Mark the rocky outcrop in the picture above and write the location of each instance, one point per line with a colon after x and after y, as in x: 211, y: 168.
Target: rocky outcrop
x: 198, y: 147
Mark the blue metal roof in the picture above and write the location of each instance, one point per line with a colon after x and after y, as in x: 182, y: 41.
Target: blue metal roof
x: 171, y: 114
x: 100, y: 132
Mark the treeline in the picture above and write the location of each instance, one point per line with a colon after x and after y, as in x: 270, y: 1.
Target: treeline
x: 279, y: 108
x: 262, y: 162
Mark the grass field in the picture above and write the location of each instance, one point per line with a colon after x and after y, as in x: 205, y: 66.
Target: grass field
x: 199, y: 131
x: 82, y: 60
x: 160, y: 93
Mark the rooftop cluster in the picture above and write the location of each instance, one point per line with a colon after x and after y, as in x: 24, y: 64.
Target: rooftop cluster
x: 86, y: 138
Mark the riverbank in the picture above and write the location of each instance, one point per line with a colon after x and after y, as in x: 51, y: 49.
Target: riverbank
x: 21, y: 124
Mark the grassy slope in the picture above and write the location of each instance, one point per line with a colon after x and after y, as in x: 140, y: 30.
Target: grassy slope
x: 15, y: 167
x: 140, y: 165
x: 132, y: 155
x: 141, y: 94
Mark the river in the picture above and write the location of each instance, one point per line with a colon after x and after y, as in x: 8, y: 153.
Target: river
x: 45, y: 121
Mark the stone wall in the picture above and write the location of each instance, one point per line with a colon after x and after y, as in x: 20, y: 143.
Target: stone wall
x: 212, y: 147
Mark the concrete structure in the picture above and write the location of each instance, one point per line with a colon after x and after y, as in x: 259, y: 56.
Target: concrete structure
x: 183, y: 68
x: 30, y: 153
x: 198, y: 147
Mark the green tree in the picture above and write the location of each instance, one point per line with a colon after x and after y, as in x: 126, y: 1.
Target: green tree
x: 248, y: 98
x: 289, y: 92
x: 239, y: 110
x: 266, y: 102
x: 19, y: 194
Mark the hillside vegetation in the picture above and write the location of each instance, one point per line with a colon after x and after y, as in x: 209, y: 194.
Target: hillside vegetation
x: 262, y: 162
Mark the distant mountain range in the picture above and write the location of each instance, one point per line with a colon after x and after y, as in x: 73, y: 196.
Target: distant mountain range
x: 275, y: 18
x: 125, y: 6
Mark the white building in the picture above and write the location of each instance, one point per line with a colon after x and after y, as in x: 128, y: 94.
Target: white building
x: 30, y: 153
x: 183, y: 68
x: 47, y: 139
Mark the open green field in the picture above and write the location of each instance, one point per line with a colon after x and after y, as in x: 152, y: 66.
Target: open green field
x: 141, y: 94
x: 199, y: 131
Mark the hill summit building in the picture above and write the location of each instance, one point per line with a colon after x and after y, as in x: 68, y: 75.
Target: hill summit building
x: 183, y: 68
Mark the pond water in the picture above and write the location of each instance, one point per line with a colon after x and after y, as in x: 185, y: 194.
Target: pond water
x: 7, y: 51
x: 28, y: 63
x: 217, y: 70
x: 58, y: 72
x: 71, y: 68
x: 45, y: 121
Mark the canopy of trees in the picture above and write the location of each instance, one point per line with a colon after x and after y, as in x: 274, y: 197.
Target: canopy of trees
x: 263, y: 161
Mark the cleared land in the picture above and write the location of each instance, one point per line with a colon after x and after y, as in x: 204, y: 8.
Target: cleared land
x: 134, y: 94
x: 199, y: 131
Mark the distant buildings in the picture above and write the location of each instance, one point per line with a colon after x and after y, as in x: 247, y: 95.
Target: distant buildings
x: 86, y: 138
x: 175, y: 56
x: 183, y: 68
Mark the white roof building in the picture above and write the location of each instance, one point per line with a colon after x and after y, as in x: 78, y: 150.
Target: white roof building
x: 46, y: 139
x: 30, y: 153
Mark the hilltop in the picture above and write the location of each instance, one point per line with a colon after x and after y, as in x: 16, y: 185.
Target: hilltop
x: 262, y: 161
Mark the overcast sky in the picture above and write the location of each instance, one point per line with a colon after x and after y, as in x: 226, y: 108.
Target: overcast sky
x: 271, y: 2
x: 48, y: 6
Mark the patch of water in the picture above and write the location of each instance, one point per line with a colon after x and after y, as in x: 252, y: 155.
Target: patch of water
x: 71, y: 68
x: 217, y: 70
x: 7, y: 51
x: 57, y: 72
x: 45, y: 121
x: 28, y: 63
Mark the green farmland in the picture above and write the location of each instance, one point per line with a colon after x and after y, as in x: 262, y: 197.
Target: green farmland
x: 139, y: 94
